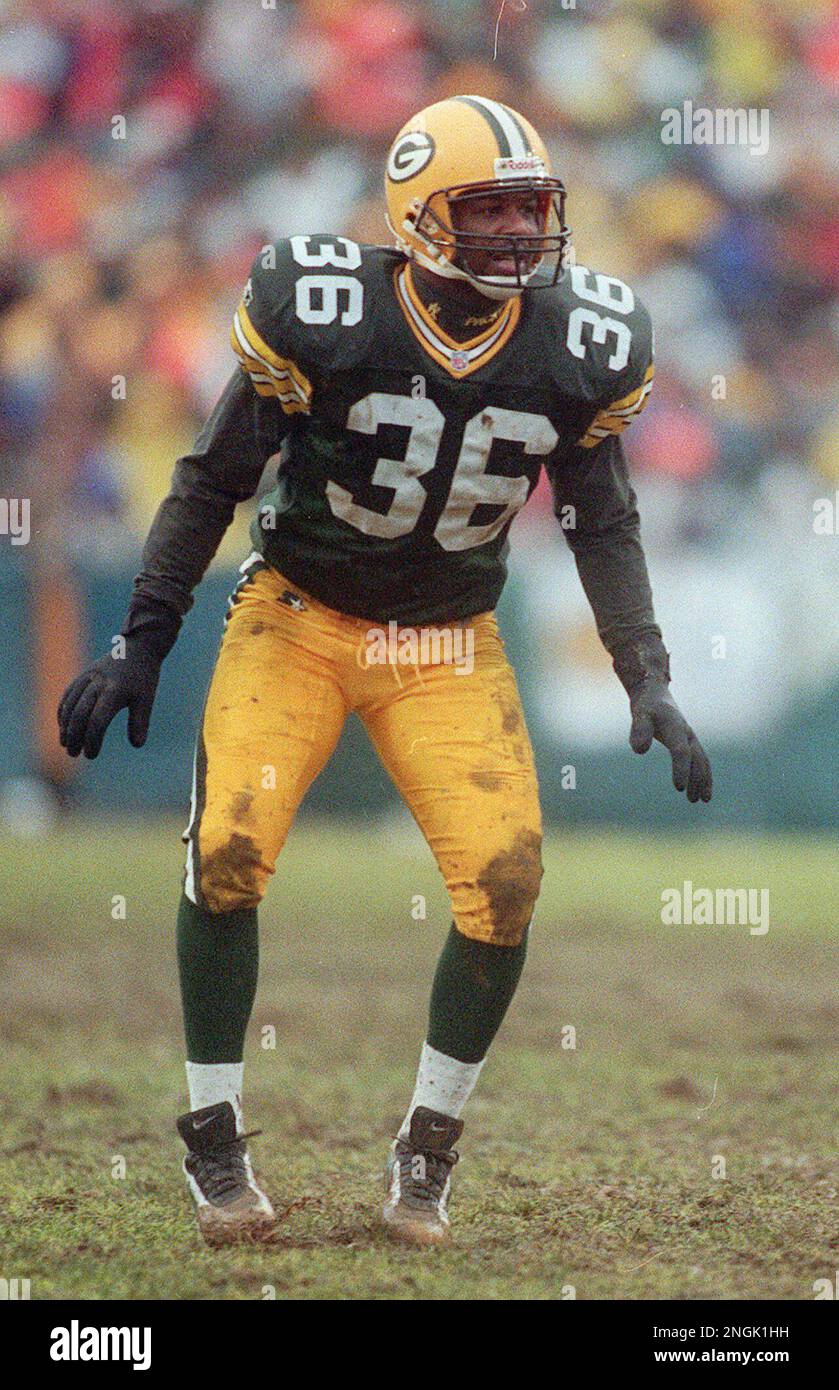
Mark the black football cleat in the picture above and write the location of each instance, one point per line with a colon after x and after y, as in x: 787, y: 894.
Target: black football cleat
x: 230, y: 1206
x: 418, y: 1179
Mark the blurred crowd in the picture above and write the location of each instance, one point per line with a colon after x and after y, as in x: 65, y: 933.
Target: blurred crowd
x: 148, y: 148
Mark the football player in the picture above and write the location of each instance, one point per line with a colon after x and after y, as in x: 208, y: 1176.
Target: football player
x: 414, y: 393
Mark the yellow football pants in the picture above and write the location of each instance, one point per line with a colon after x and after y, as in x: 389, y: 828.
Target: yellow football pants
x: 447, y: 725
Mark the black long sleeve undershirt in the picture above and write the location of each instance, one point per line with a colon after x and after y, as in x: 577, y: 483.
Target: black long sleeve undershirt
x: 224, y: 468
x: 606, y: 542
x: 244, y: 430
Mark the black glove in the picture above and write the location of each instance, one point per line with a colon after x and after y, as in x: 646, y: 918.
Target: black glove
x: 113, y: 683
x: 645, y: 673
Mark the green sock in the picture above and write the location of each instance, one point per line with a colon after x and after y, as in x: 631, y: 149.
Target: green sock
x: 218, y: 963
x: 473, y: 985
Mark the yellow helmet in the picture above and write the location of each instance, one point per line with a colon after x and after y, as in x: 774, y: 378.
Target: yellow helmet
x: 469, y: 147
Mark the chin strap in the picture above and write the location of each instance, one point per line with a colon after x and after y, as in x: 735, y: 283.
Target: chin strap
x: 436, y: 261
x: 448, y: 271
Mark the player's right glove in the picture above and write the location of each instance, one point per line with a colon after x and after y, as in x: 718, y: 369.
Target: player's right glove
x: 118, y: 682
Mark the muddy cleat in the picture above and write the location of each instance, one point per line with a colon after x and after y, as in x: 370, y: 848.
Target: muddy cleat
x: 418, y: 1179
x: 230, y: 1206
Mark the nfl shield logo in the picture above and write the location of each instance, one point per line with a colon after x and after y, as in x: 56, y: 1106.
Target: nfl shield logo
x: 459, y: 361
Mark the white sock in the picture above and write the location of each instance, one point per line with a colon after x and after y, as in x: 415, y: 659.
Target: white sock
x: 212, y: 1082
x: 443, y: 1084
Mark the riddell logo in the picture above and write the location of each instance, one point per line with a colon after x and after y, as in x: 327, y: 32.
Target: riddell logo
x: 75, y: 1343
x: 528, y: 164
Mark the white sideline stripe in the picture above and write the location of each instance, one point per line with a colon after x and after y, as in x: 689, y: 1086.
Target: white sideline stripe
x: 189, y: 881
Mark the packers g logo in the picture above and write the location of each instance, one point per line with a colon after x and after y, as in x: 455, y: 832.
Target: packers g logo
x: 409, y: 155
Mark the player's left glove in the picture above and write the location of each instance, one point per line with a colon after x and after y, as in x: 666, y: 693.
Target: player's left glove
x: 655, y: 715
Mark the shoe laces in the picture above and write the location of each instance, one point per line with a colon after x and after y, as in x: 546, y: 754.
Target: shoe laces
x: 222, y: 1168
x: 438, y: 1163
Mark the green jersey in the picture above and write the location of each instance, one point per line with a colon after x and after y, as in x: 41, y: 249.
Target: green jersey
x: 407, y: 455
x: 404, y: 455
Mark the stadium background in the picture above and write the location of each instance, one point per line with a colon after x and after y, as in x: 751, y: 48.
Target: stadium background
x: 588, y: 1167
x: 121, y: 259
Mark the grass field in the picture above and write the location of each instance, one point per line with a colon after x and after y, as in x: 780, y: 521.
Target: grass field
x: 589, y: 1167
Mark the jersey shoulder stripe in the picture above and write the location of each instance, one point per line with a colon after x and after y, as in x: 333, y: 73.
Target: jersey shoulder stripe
x: 311, y: 305
x: 615, y: 417
x: 271, y: 374
x: 607, y: 347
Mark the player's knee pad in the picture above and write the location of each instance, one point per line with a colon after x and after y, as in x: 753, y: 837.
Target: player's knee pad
x: 499, y: 907
x: 227, y: 875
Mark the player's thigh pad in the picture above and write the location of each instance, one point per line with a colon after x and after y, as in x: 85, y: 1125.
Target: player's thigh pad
x: 273, y: 716
x: 455, y: 743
